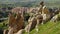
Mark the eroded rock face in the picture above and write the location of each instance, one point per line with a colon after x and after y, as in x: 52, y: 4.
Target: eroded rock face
x: 12, y: 22
x: 20, y: 21
x: 39, y: 19
x: 55, y: 18
x: 31, y: 24
x: 20, y: 31
x: 15, y: 23
x: 11, y: 31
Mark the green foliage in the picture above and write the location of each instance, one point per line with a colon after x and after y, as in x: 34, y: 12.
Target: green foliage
x: 3, y: 25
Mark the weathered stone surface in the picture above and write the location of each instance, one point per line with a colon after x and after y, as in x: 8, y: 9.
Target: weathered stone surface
x: 11, y: 31
x: 55, y: 18
x: 12, y: 23
x: 5, y: 31
x: 39, y: 19
x: 20, y: 21
x: 12, y: 20
x: 31, y: 24
x: 20, y: 31
x: 15, y: 24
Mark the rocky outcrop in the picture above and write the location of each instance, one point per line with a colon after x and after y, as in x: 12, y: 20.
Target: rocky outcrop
x: 15, y: 23
x: 31, y: 25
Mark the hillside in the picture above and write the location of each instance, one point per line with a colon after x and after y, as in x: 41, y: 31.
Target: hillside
x: 48, y: 28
